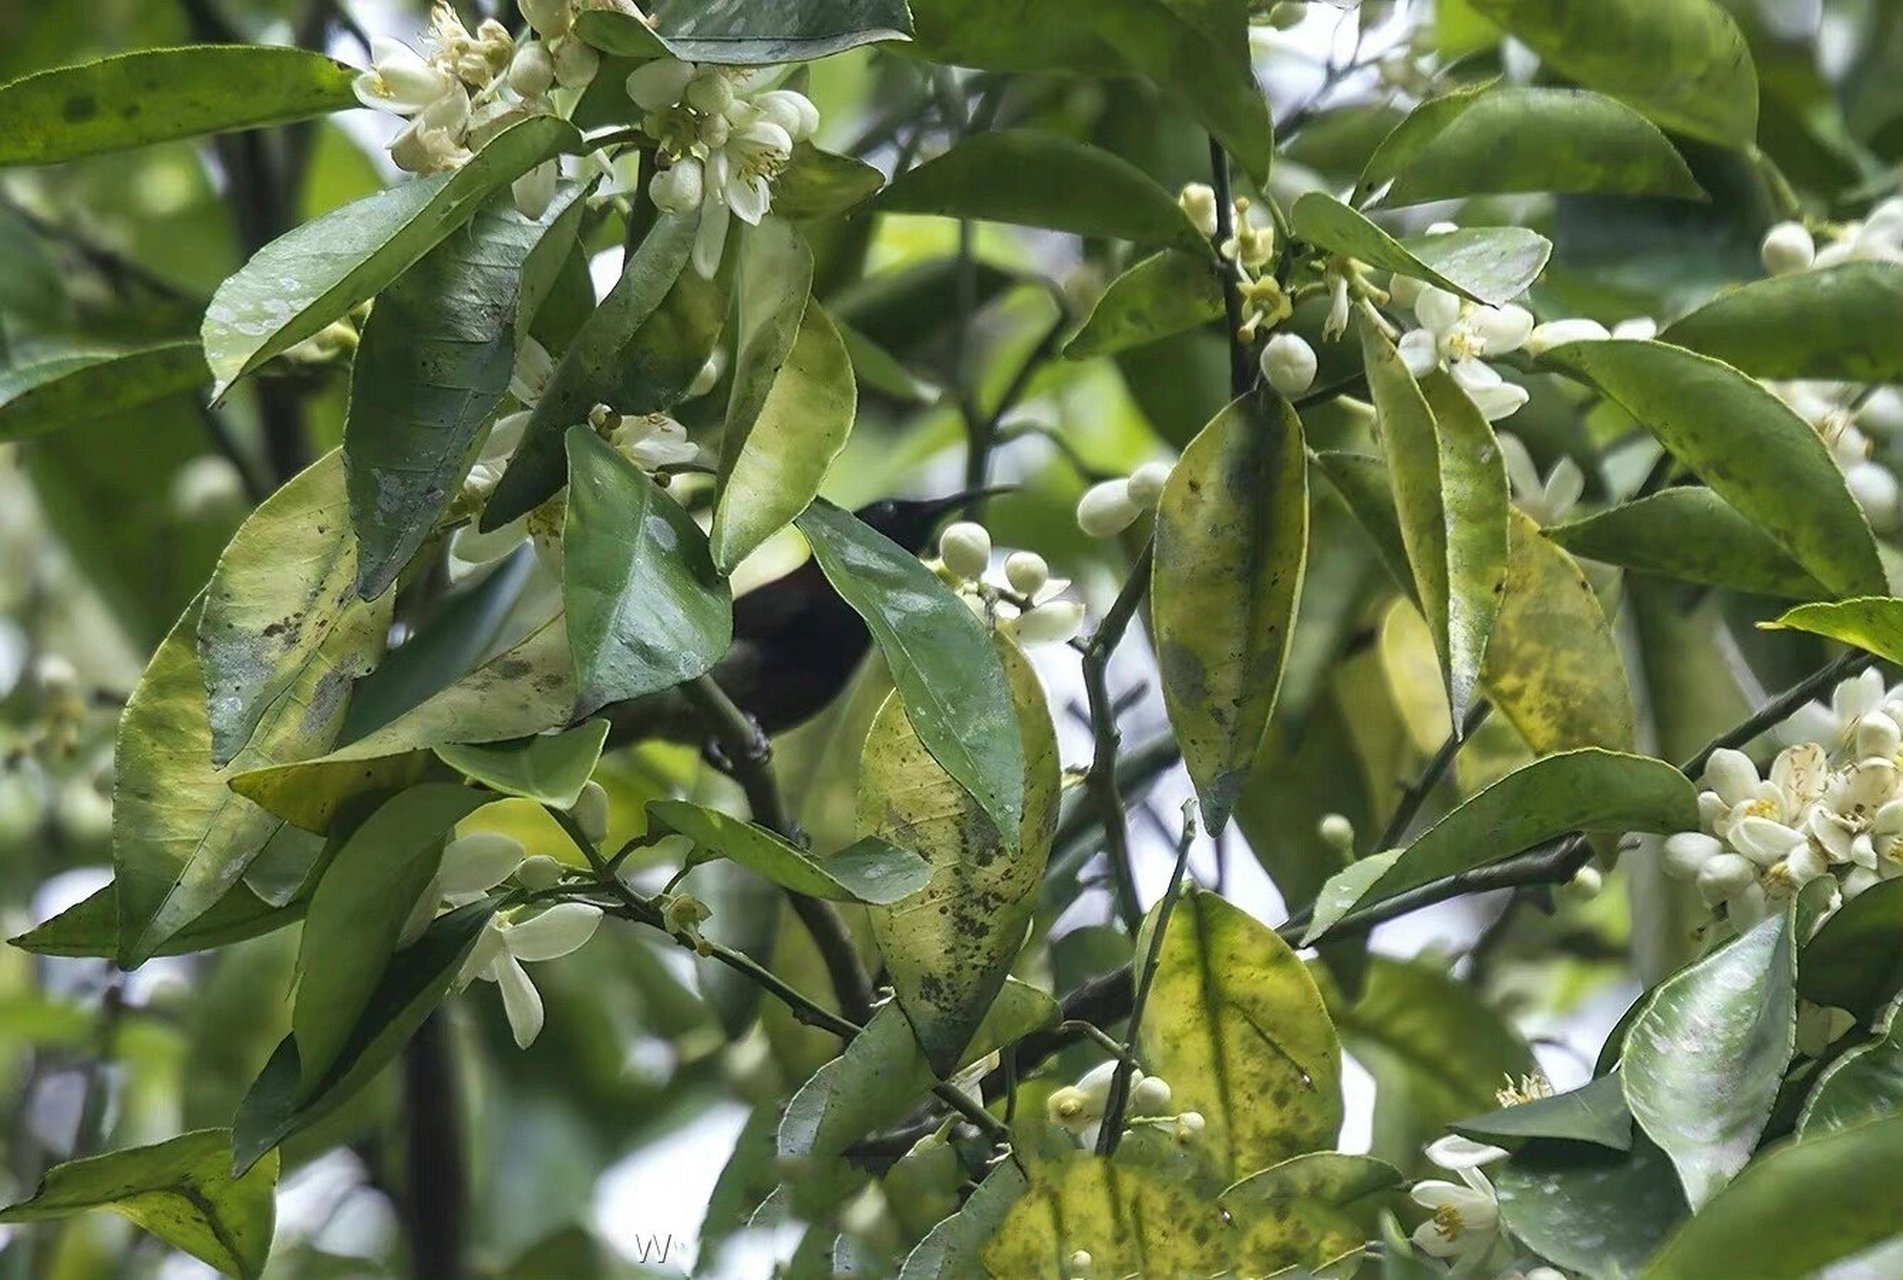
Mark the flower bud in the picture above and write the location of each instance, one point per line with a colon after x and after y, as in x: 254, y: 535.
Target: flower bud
x: 591, y: 811
x: 539, y: 873
x: 1404, y: 291
x: 553, y: 932
x: 1338, y: 832
x: 1287, y: 13
x: 548, y: 17
x: 791, y: 110
x: 1875, y: 488
x: 1053, y: 622
x: 1027, y: 572
x: 678, y: 188
x: 1289, y: 363
x: 532, y: 71
x: 1877, y: 735
x: 1636, y: 329
x: 1189, y: 1126
x: 1685, y: 854
x: 1147, y: 482
x: 965, y: 547
x: 1080, y: 1265
x: 1557, y: 333
x: 709, y: 91
x: 1585, y: 884
x: 478, y: 862
x: 1198, y: 200
x: 1723, y: 875
x: 1731, y: 774
x: 534, y: 191
x: 206, y: 487
x: 1149, y: 1096
x: 1787, y: 248
x: 1107, y: 509
x: 1071, y: 1107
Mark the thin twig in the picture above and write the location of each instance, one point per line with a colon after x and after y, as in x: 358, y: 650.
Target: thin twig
x: 1100, y: 782
x: 1241, y: 370
x: 1415, y: 793
x: 1119, y: 1098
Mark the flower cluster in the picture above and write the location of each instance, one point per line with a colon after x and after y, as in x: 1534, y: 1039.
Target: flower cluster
x: 1789, y: 247
x: 466, y: 88
x: 1456, y: 335
x: 1028, y: 605
x: 725, y: 133
x: 1110, y: 507
x: 1079, y: 1108
x: 1831, y: 804
x: 1248, y: 250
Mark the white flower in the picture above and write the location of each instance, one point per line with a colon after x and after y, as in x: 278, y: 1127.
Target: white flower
x: 652, y: 441
x: 1055, y: 622
x: 1466, y: 1219
x: 1289, y: 363
x: 965, y: 547
x: 517, y: 938
x: 1787, y: 248
x: 1107, y: 509
x: 1835, y: 724
x: 1837, y: 411
x: 471, y: 865
x: 1457, y: 336
x: 1878, y: 238
x: 400, y: 80
x: 1550, y: 500
x: 433, y: 140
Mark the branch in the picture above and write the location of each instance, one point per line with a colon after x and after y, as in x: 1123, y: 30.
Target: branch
x: 1415, y: 793
x: 750, y: 761
x: 436, y: 1193
x: 1100, y: 782
x: 1241, y: 367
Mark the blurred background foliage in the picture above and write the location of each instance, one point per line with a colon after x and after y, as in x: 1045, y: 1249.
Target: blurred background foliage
x: 106, y: 533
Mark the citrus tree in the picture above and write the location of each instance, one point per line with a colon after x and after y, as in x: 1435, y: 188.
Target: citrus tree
x: 530, y: 540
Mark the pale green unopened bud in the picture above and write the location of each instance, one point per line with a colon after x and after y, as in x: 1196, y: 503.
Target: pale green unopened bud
x: 1107, y: 509
x: 1787, y: 248
x: 1027, y: 572
x: 532, y: 71
x: 1338, y: 832
x: 1147, y: 482
x: 591, y: 812
x: 1150, y: 1096
x: 540, y: 872
x: 1289, y: 363
x: 1198, y: 200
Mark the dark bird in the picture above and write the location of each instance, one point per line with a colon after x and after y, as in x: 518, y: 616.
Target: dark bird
x: 795, y: 642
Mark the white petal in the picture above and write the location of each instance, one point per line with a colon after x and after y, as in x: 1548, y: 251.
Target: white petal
x: 1498, y: 401
x: 1107, y: 509
x: 1055, y: 623
x: 1522, y: 475
x: 1684, y: 854
x: 520, y: 1000
x: 1564, y: 487
x: 1557, y: 333
x: 1503, y: 329
x: 1724, y: 876
x: 1437, y: 309
x: 560, y: 929
x: 1420, y: 352
x: 471, y: 546
x: 479, y: 861
x: 1456, y: 1152
x: 710, y: 242
x: 1731, y: 774
x: 1636, y: 329
x: 1763, y: 841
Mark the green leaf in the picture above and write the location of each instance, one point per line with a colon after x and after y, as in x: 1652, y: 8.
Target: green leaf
x: 1704, y: 1058
x: 1042, y: 180
x: 1155, y: 39
x: 281, y: 612
x: 1450, y: 491
x: 870, y: 871
x: 358, y: 911
x: 881, y: 1075
x: 1844, y: 323
x: 1794, y: 1211
x: 1865, y: 1084
x: 1746, y: 444
x: 1505, y: 139
x: 952, y: 1249
x: 1363, y: 484
x: 1487, y: 264
x: 1871, y: 623
x: 1236, y: 1026
x: 1166, y: 293
x: 181, y: 837
x: 181, y: 1190
x: 731, y: 33
x: 1691, y: 534
x: 1343, y: 890
x: 783, y: 459
x: 157, y: 95
x: 634, y: 353
x: 1684, y: 63
x: 1595, y: 1112
x: 821, y: 184
x: 1855, y: 961
x: 550, y: 768
x: 948, y: 674
x: 646, y: 611
x: 1553, y: 665
x: 1332, y: 1182
x: 411, y: 987
x: 948, y: 946
x: 1591, y: 1210
x: 1588, y: 789
x: 1231, y: 546
x: 91, y: 926
x: 72, y: 390
x: 433, y: 364
x: 310, y: 276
